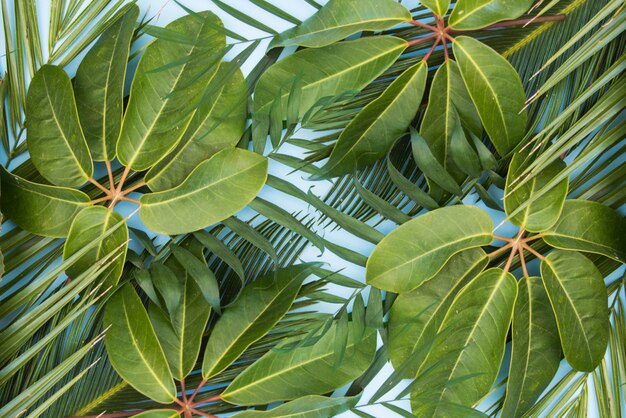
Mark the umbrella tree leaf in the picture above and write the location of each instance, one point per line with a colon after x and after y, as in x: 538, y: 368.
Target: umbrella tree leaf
x: 216, y: 189
x: 475, y: 14
x: 312, y: 406
x: 439, y: 7
x: 55, y: 139
x: 418, y: 249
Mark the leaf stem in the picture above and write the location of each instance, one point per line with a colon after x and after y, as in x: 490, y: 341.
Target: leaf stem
x: 101, y: 199
x: 107, y: 163
x: 423, y: 25
x: 430, y: 51
x: 207, y: 400
x: 520, y: 250
x: 133, y: 188
x: 422, y: 39
x: 98, y: 185
x: 204, y: 414
x: 533, y: 251
x: 193, y: 395
x: 128, y: 199
x: 499, y: 250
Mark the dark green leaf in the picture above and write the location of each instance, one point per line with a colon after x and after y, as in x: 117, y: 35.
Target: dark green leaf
x: 306, y: 407
x: 474, y: 14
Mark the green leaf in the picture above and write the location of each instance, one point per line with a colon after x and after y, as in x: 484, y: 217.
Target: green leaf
x: 169, y: 81
x: 475, y: 14
x: 465, y: 358
x: 439, y: 7
x: 416, y: 316
x: 540, y: 213
x: 40, y: 209
x: 374, y: 130
x: 202, y: 274
x: 159, y: 413
x: 306, y: 407
x: 217, y: 124
x: 339, y: 19
x: 289, y: 374
x: 181, y: 336
x: 578, y: 296
x: 418, y: 249
x: 167, y: 284
x: 259, y: 307
x: 536, y: 352
x: 88, y: 226
x: 133, y: 348
x: 589, y: 227
x: 496, y: 91
x: 434, y: 170
x: 328, y: 71
x: 55, y: 140
x: 99, y: 86
x: 215, y: 190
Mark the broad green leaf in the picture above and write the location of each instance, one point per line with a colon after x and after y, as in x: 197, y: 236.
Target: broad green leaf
x: 181, y: 336
x: 168, y: 285
x: 217, y: 124
x: 415, y: 316
x: 159, y: 413
x: 199, y: 271
x: 418, y: 249
x: 99, y: 86
x: 374, y: 130
x: 338, y: 19
x: 306, y: 370
x: 589, y: 227
x: 40, y: 209
x: 55, y: 140
x: 536, y: 352
x: 436, y: 173
x: 88, y: 226
x: 465, y: 358
x: 475, y: 14
x: 328, y: 71
x: 439, y: 7
x: 215, y: 190
x: 578, y: 296
x: 495, y: 89
x: 306, y: 407
x: 133, y: 348
x: 540, y: 213
x: 259, y: 307
x: 169, y: 81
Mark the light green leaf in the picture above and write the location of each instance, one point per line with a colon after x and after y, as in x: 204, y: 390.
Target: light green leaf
x: 181, y: 336
x: 88, y: 226
x: 259, y: 307
x: 465, y: 358
x: 589, y: 227
x: 496, y: 91
x: 133, y: 348
x: 217, y: 124
x: 434, y: 171
x: 215, y: 190
x: 307, y: 370
x: 306, y: 407
x: 158, y: 413
x: 54, y: 137
x: 338, y: 19
x: 418, y: 249
x: 439, y: 7
x: 536, y: 352
x: 40, y: 209
x: 540, y: 213
x: 328, y: 71
x: 578, y: 296
x: 374, y: 130
x: 475, y: 14
x: 99, y: 86
x: 415, y: 316
x: 169, y: 81
x: 202, y: 274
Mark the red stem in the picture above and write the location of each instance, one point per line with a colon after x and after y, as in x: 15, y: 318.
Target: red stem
x: 208, y: 400
x: 423, y: 25
x: 193, y: 395
x: 430, y: 51
x: 183, y: 390
x: 422, y: 39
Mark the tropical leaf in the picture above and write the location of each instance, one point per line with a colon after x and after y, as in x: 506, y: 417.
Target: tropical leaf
x: 474, y: 14
x: 306, y: 407
x: 439, y: 7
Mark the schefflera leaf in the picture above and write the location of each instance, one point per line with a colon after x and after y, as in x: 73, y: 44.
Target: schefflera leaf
x: 99, y: 86
x: 88, y: 226
x: 312, y: 406
x: 283, y: 374
x: 578, y: 297
x: 540, y: 213
x: 215, y: 190
x: 464, y: 360
x: 133, y: 348
x: 54, y: 137
x: 374, y: 130
x: 38, y: 208
x: 218, y: 123
x: 159, y: 413
x: 475, y: 14
x: 180, y: 334
x: 438, y: 7
x: 418, y: 249
x: 495, y: 89
x: 328, y: 71
x: 589, y: 227
x: 168, y: 84
x: 338, y: 19
x: 416, y: 316
x: 536, y: 352
x: 259, y: 307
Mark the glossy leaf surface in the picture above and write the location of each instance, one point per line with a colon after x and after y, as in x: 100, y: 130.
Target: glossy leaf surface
x: 439, y: 7
x: 474, y: 14
x: 306, y: 407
